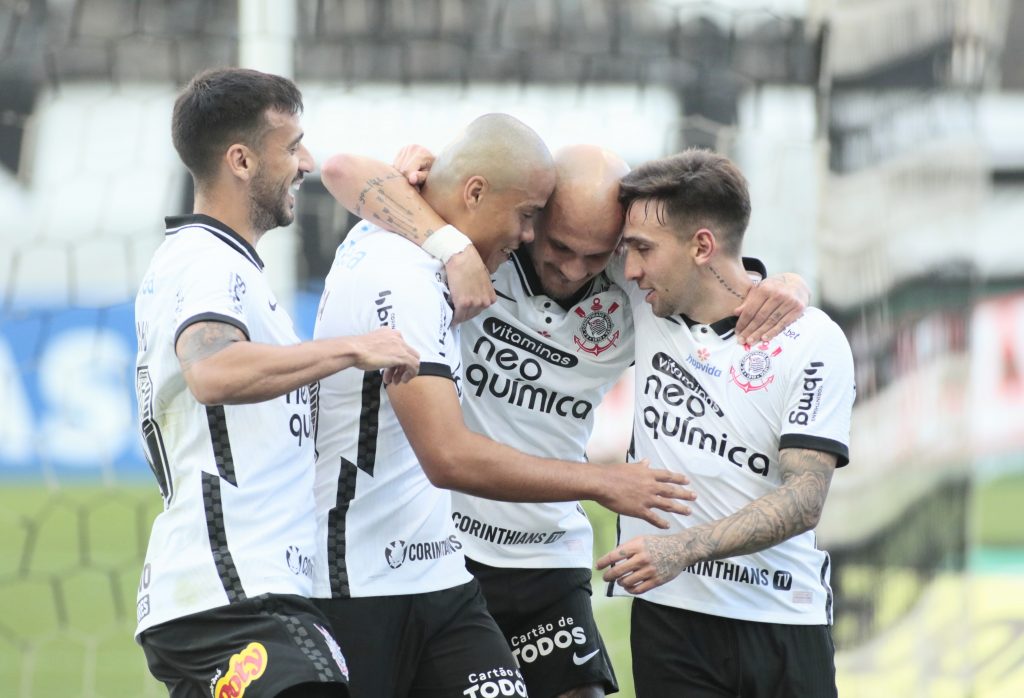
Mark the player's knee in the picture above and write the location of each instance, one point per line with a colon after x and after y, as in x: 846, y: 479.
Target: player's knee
x: 593, y: 690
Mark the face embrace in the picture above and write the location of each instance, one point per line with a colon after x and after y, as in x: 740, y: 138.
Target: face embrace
x: 659, y: 260
x: 282, y: 163
x: 575, y: 238
x: 504, y: 218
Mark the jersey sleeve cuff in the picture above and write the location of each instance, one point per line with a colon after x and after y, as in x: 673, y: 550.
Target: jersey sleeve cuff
x: 210, y: 317
x: 817, y: 443
x: 430, y: 368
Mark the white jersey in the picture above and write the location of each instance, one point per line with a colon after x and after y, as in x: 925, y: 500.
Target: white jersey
x: 383, y: 528
x: 237, y: 480
x: 535, y: 372
x: 720, y: 412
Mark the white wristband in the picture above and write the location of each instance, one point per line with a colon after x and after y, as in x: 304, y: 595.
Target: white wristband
x: 445, y: 243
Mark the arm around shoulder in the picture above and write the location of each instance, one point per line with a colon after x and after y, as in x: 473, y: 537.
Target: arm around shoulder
x: 222, y: 367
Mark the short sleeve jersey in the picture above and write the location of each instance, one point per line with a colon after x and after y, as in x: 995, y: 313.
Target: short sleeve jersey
x: 237, y: 480
x: 720, y: 412
x: 383, y: 528
x: 534, y: 373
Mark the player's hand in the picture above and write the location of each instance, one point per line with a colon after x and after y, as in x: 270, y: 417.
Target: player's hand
x: 470, y: 284
x: 770, y: 306
x: 385, y: 348
x: 636, y: 489
x: 645, y: 562
x: 414, y: 162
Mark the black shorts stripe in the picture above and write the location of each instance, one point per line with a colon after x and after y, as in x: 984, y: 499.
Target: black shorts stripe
x: 326, y: 669
x: 218, y: 423
x: 225, y: 564
x: 369, y: 416
x: 336, y: 567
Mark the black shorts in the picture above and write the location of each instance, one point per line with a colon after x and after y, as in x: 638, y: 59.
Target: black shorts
x: 441, y: 644
x: 256, y: 648
x: 547, y: 617
x: 677, y: 652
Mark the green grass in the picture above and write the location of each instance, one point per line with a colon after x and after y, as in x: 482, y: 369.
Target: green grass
x: 999, y: 511
x: 69, y: 565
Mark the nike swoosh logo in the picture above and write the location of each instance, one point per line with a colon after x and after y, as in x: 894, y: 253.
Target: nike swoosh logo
x: 578, y: 660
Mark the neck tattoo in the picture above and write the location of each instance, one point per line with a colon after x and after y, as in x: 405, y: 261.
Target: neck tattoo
x: 724, y: 283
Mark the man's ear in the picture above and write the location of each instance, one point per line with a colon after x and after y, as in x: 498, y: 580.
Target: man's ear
x: 474, y: 190
x: 241, y: 161
x: 703, y: 246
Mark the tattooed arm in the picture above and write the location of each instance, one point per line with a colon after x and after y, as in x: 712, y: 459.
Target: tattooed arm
x: 649, y: 561
x: 222, y: 367
x: 382, y: 195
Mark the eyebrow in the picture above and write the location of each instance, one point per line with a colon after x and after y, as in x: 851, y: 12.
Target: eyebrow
x: 297, y: 139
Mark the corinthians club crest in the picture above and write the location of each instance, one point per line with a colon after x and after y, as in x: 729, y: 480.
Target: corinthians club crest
x: 597, y: 332
x: 755, y: 367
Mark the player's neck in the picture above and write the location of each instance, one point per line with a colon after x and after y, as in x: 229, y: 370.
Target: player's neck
x: 723, y: 284
x: 229, y: 213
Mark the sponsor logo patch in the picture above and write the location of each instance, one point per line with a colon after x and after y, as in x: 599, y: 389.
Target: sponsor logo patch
x: 298, y: 563
x: 244, y: 668
x: 499, y: 681
x: 398, y: 552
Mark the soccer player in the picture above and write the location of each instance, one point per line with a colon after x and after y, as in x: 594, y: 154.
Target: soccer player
x: 409, y: 616
x: 227, y: 401
x: 559, y: 312
x: 735, y: 599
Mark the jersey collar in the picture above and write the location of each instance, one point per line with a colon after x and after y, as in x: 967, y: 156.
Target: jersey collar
x: 219, y: 230
x: 531, y: 280
x: 724, y: 328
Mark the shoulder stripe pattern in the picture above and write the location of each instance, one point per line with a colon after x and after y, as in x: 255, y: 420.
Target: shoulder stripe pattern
x: 222, y: 559
x: 336, y: 565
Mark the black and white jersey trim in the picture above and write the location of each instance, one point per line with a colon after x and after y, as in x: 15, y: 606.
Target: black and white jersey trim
x: 430, y: 368
x: 817, y: 443
x: 222, y: 232
x: 828, y: 590
x: 369, y: 418
x: 221, y: 441
x: 222, y: 559
x: 336, y: 565
x: 210, y: 317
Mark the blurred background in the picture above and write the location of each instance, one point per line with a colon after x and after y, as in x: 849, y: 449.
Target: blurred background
x: 884, y: 143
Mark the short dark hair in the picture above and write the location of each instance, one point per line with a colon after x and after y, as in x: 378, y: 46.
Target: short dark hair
x: 224, y: 106
x: 695, y: 188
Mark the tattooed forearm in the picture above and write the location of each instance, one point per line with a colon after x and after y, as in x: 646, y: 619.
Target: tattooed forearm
x: 793, y: 508
x: 387, y: 211
x: 204, y: 339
